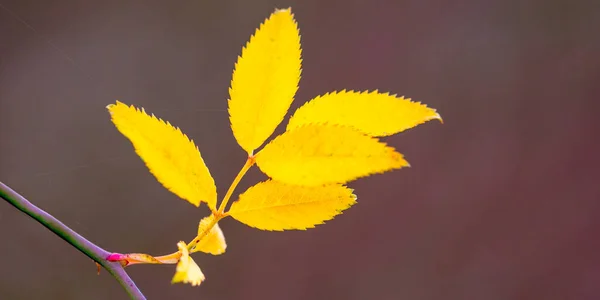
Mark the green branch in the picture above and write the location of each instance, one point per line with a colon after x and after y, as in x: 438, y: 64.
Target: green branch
x: 76, y: 240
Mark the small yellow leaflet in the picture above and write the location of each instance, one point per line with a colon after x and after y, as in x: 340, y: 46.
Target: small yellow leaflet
x: 373, y: 113
x: 273, y: 205
x: 319, y: 154
x: 214, y: 241
x: 187, y: 271
x: 170, y: 155
x: 265, y: 80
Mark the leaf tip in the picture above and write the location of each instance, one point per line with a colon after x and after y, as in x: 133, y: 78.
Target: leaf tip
x: 398, y: 159
x: 283, y: 10
x: 438, y: 117
x: 112, y: 106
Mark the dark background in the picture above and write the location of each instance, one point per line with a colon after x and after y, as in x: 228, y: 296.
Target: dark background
x: 502, y: 201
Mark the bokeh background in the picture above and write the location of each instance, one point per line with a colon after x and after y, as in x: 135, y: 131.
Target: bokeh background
x: 502, y: 201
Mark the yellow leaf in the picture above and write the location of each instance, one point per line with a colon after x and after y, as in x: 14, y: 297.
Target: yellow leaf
x: 319, y: 154
x: 265, y: 80
x: 187, y: 271
x: 273, y: 205
x: 169, y: 154
x: 373, y: 113
x: 214, y: 241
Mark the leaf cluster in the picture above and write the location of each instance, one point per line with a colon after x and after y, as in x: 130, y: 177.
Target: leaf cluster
x: 330, y: 141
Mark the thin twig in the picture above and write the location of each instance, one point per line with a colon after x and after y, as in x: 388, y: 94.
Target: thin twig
x: 76, y: 240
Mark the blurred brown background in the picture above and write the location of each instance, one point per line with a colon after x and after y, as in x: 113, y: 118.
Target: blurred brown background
x: 502, y: 201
